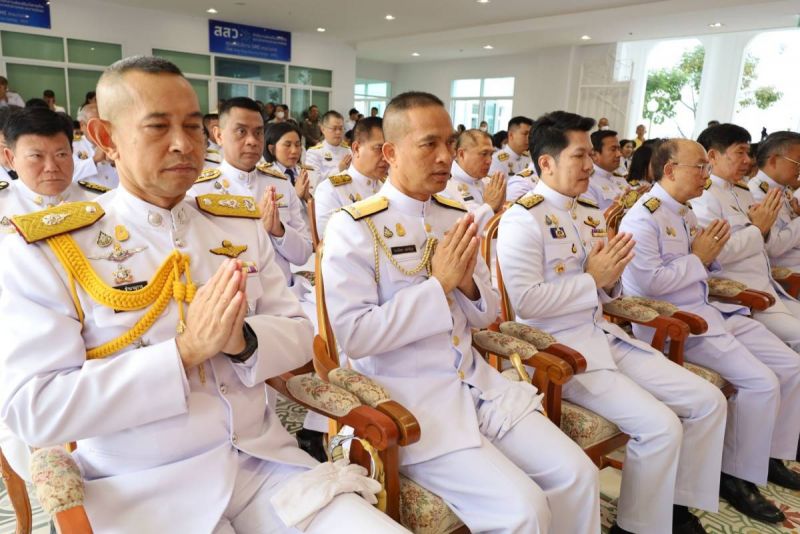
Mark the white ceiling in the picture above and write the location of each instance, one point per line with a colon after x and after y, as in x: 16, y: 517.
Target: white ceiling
x: 456, y: 29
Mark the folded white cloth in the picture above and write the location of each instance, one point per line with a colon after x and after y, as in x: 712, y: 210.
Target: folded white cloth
x: 502, y: 408
x: 306, y: 494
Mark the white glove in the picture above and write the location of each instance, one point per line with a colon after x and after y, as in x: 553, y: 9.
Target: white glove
x: 502, y: 408
x: 306, y: 494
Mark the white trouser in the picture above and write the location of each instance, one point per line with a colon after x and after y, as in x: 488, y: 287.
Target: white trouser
x: 784, y: 325
x: 250, y: 511
x: 764, y: 415
x: 532, y: 480
x: 676, y: 422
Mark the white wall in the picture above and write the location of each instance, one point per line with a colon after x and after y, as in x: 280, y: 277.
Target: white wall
x: 367, y: 69
x: 141, y: 30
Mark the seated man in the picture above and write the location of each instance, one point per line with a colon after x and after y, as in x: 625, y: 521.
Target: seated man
x: 521, y: 183
x: 362, y: 179
x: 332, y: 155
x: 6, y: 172
x: 470, y: 168
x: 778, y: 163
x: 91, y: 164
x: 173, y: 431
x: 559, y: 269
x: 744, y: 257
x: 403, y: 314
x: 606, y: 184
x: 213, y: 149
x: 514, y: 156
x: 39, y: 148
x: 673, y: 259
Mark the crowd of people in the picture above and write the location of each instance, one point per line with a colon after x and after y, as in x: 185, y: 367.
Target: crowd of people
x: 151, y: 281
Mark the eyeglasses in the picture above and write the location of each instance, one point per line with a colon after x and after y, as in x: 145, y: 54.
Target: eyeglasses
x: 705, y: 168
x: 790, y: 159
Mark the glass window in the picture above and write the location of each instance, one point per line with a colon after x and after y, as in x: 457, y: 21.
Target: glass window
x: 321, y: 99
x: 93, y: 53
x: 80, y: 82
x: 361, y: 89
x: 369, y: 94
x: 188, y: 63
x: 250, y: 70
x: 300, y: 100
x: 498, y: 87
x: 466, y: 88
x: 269, y: 94
x: 475, y: 100
x: 30, y: 80
x: 201, y: 89
x: 467, y: 112
x: 307, y: 76
x: 230, y: 90
x: 378, y: 89
x: 32, y: 46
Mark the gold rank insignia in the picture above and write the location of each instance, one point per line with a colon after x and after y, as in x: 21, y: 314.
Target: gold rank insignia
x: 400, y: 230
x: 742, y: 185
x: 76, y: 136
x: 213, y: 156
x: 692, y: 231
x: 82, y: 154
x: 708, y: 184
x: 591, y: 221
x: 634, y: 183
x: 427, y: 228
x: 228, y: 249
x: 529, y: 201
x: 367, y: 207
x: 652, y: 204
x: 62, y: 219
x: 574, y: 249
x: 93, y: 187
x: 121, y: 233
x: 503, y: 156
x: 526, y: 153
x: 3, y: 185
x: 269, y: 168
x: 447, y: 203
x: 305, y: 167
x: 764, y: 186
x: 208, y: 174
x: 671, y: 231
x: 525, y: 172
x: 599, y: 232
x: 558, y: 233
x: 340, y: 179
x: 559, y: 268
x: 387, y: 233
x: 228, y: 206
x: 587, y: 202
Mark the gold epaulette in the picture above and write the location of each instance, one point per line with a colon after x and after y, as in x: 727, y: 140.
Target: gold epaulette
x: 306, y: 167
x: 525, y: 172
x: 529, y: 201
x: 448, y: 203
x: 708, y: 184
x: 527, y: 153
x: 588, y: 202
x: 502, y: 156
x: 93, y: 187
x: 318, y: 145
x: 55, y: 221
x: 229, y: 206
x: 618, y: 175
x: 764, y: 186
x: 742, y: 185
x: 344, y: 144
x: 652, y: 204
x: 3, y: 185
x: 269, y: 168
x: 208, y: 174
x: 76, y: 137
x: 340, y: 179
x: 365, y: 208
x: 213, y: 157
x: 633, y: 183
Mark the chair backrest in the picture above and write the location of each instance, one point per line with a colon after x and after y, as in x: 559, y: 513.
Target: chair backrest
x: 489, y: 235
x: 326, y: 355
x: 312, y: 222
x: 613, y: 216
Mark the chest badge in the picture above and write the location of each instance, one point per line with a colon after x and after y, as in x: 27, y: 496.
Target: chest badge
x: 388, y: 234
x: 228, y: 249
x: 671, y: 231
x: 559, y: 268
x: 118, y: 254
x: 400, y: 230
x: 104, y: 240
x: 574, y: 249
x: 558, y: 232
x: 121, y: 233
x: 122, y: 275
x: 591, y: 221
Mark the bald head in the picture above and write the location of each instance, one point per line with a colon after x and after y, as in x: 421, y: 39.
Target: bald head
x: 395, y: 120
x: 471, y: 138
x: 87, y: 112
x: 113, y: 92
x: 680, y: 167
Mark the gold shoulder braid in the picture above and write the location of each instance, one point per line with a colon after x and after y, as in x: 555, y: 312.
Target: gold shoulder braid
x: 377, y: 241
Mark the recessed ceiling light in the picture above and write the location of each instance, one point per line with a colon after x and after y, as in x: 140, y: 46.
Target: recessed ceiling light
x: 483, y: 1
x: 211, y: 10
x: 488, y: 47
x: 321, y: 30
x: 586, y: 38
x: 389, y: 17
x: 716, y: 25
x: 415, y: 54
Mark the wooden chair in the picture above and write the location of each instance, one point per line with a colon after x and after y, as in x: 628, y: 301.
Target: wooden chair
x: 312, y: 222
x: 18, y: 496
x: 787, y: 278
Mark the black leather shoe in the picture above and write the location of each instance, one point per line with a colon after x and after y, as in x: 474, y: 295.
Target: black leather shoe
x: 745, y: 497
x: 783, y: 476
x: 616, y: 529
x: 684, y: 522
x: 312, y: 442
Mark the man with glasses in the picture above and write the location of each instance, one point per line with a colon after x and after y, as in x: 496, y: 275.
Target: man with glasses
x: 674, y: 257
x: 331, y: 156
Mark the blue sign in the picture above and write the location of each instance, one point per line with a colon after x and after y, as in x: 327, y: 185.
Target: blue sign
x: 34, y: 13
x: 251, y: 41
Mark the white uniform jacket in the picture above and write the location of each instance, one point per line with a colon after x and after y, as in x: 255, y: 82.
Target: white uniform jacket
x: 783, y: 246
x: 542, y: 245
x: 605, y: 187
x: 341, y: 190
x: 663, y: 266
x: 509, y: 162
x: 103, y: 173
x: 158, y: 447
x: 324, y: 159
x: 403, y: 330
x: 465, y: 189
x: 521, y: 183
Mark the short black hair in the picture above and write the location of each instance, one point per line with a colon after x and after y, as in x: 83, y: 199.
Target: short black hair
x: 723, y: 136
x: 641, y: 162
x: 623, y: 142
x: 775, y: 143
x: 401, y: 104
x: 274, y: 133
x: 148, y: 64
x: 518, y: 121
x: 5, y: 114
x: 352, y: 110
x: 36, y: 103
x: 598, y: 136
x: 48, y: 93
x: 36, y: 121
x: 363, y: 128
x: 498, y: 138
x: 238, y: 102
x: 549, y: 134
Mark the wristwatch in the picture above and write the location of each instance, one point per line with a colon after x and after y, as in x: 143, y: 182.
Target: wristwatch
x: 250, y: 345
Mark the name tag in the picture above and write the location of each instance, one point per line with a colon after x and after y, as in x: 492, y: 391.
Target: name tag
x: 404, y: 250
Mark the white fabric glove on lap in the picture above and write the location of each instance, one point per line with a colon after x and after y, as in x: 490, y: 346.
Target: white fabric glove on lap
x: 501, y: 409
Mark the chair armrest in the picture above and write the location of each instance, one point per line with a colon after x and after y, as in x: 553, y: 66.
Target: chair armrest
x: 697, y: 325
x: 788, y: 279
x: 545, y: 342
x: 665, y: 327
x: 734, y: 292
x: 505, y: 346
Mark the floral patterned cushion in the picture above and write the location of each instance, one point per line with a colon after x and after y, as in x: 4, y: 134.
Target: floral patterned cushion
x: 56, y: 479
x: 322, y: 395
x: 781, y: 273
x: 707, y: 374
x: 630, y: 310
x: 503, y: 345
x: 423, y: 512
x: 722, y: 287
x: 367, y: 390
x: 308, y: 275
x: 534, y: 336
x: 585, y: 427
x: 661, y: 306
